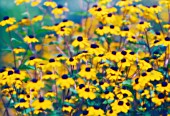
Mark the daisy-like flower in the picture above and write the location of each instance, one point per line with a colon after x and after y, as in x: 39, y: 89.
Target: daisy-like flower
x: 18, y: 50
x: 59, y: 10
x: 114, y: 30
x: 18, y: 2
x: 25, y: 21
x: 33, y: 61
x: 42, y: 103
x: 7, y: 21
x: 65, y: 82
x: 23, y: 104
x: 64, y: 31
x: 30, y: 39
x: 49, y: 75
x: 87, y: 93
x: 163, y: 87
x: 88, y: 73
x: 50, y: 4
x: 35, y: 3
x: 67, y: 108
x: 159, y: 99
x: 11, y: 27
x: 72, y: 61
x: 35, y: 84
x: 37, y: 18
x: 95, y: 110
x: 143, y: 26
x: 107, y: 95
x: 95, y: 49
x: 102, y: 30
x: 81, y: 42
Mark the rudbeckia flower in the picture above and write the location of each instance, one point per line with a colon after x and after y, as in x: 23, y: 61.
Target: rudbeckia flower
x: 64, y: 31
x: 18, y: 2
x: 7, y: 21
x: 33, y: 61
x: 143, y: 26
x: 87, y: 93
x: 88, y: 73
x: 159, y: 99
x: 50, y: 4
x: 102, y: 30
x: 42, y: 103
x: 65, y: 82
x: 163, y: 87
x: 72, y: 61
x: 67, y: 108
x: 37, y: 18
x: 25, y: 21
x: 59, y: 10
x: 30, y: 39
x: 23, y: 104
x: 49, y: 75
x: 95, y: 110
x: 11, y: 27
x: 18, y: 50
x: 107, y: 95
x: 35, y: 84
x: 80, y: 42
x: 35, y: 3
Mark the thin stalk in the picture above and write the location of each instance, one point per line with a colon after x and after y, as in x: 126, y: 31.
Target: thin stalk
x: 148, y: 45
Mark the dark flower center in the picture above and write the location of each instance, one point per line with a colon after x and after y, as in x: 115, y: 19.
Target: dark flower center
x: 59, y: 6
x: 59, y: 55
x: 120, y: 103
x: 125, y: 95
x: 71, y: 59
x: 49, y: 72
x: 51, y: 60
x: 114, y: 52
x: 157, y: 33
x: 126, y: 29
x: 149, y: 69
x: 32, y: 57
x: 65, y: 20
x: 161, y: 96
x: 87, y: 69
x: 31, y: 36
x: 111, y: 111
x: 141, y: 22
x: 144, y: 74
x: 101, y: 27
x: 109, y: 15
x: 167, y: 38
x: 17, y: 71
x: 101, y: 83
x: 137, y: 80
x: 41, y: 99
x: 123, y: 60
x: 99, y: 9
x: 87, y: 89
x: 156, y: 41
x: 34, y: 80
x: 10, y: 72
x: 5, y: 18
x: 106, y: 92
x: 22, y: 100
x: 164, y: 84
x: 81, y: 86
x: 123, y: 52
x: 132, y: 53
x: 64, y: 76
x: 128, y: 104
x: 79, y: 38
x: 114, y: 68
x: 94, y: 46
x: 101, y: 55
x: 112, y: 26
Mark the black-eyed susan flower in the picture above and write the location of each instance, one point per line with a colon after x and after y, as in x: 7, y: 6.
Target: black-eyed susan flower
x: 80, y: 42
x: 143, y: 26
x: 11, y: 27
x: 163, y: 87
x: 35, y: 84
x: 42, y: 103
x: 50, y: 4
x: 23, y: 104
x: 95, y: 49
x: 87, y: 93
x: 37, y: 19
x: 67, y: 108
x: 72, y: 61
x: 64, y: 31
x: 7, y: 21
x: 18, y: 2
x: 107, y: 95
x: 50, y: 94
x: 65, y: 82
x: 30, y: 39
x: 18, y: 50
x: 35, y: 3
x: 102, y: 30
x: 59, y: 10
x: 111, y: 113
x: 159, y: 99
x: 33, y: 61
x: 49, y: 75
x: 95, y: 110
x: 88, y: 73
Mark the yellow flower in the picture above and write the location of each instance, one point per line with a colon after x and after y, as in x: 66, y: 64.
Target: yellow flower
x: 37, y: 18
x: 88, y: 73
x: 65, y: 82
x: 163, y: 87
x: 72, y: 61
x: 67, y: 108
x: 33, y: 61
x: 11, y: 27
x: 42, y: 103
x: 64, y: 31
x: 143, y: 26
x: 18, y: 50
x: 35, y: 2
x: 18, y: 2
x: 107, y: 95
x: 35, y: 84
x: 95, y: 49
x: 22, y: 104
x: 102, y: 30
x: 30, y: 39
x: 50, y: 4
x: 115, y: 30
x: 87, y: 93
x: 95, y: 110
x: 158, y: 99
x: 49, y: 75
x: 122, y: 3
x: 7, y: 21
x: 104, y: 1
x: 50, y: 94
x: 59, y: 10
x: 80, y: 42
x: 25, y: 22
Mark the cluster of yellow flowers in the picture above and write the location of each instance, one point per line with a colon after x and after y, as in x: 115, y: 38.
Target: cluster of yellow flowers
x: 115, y: 62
